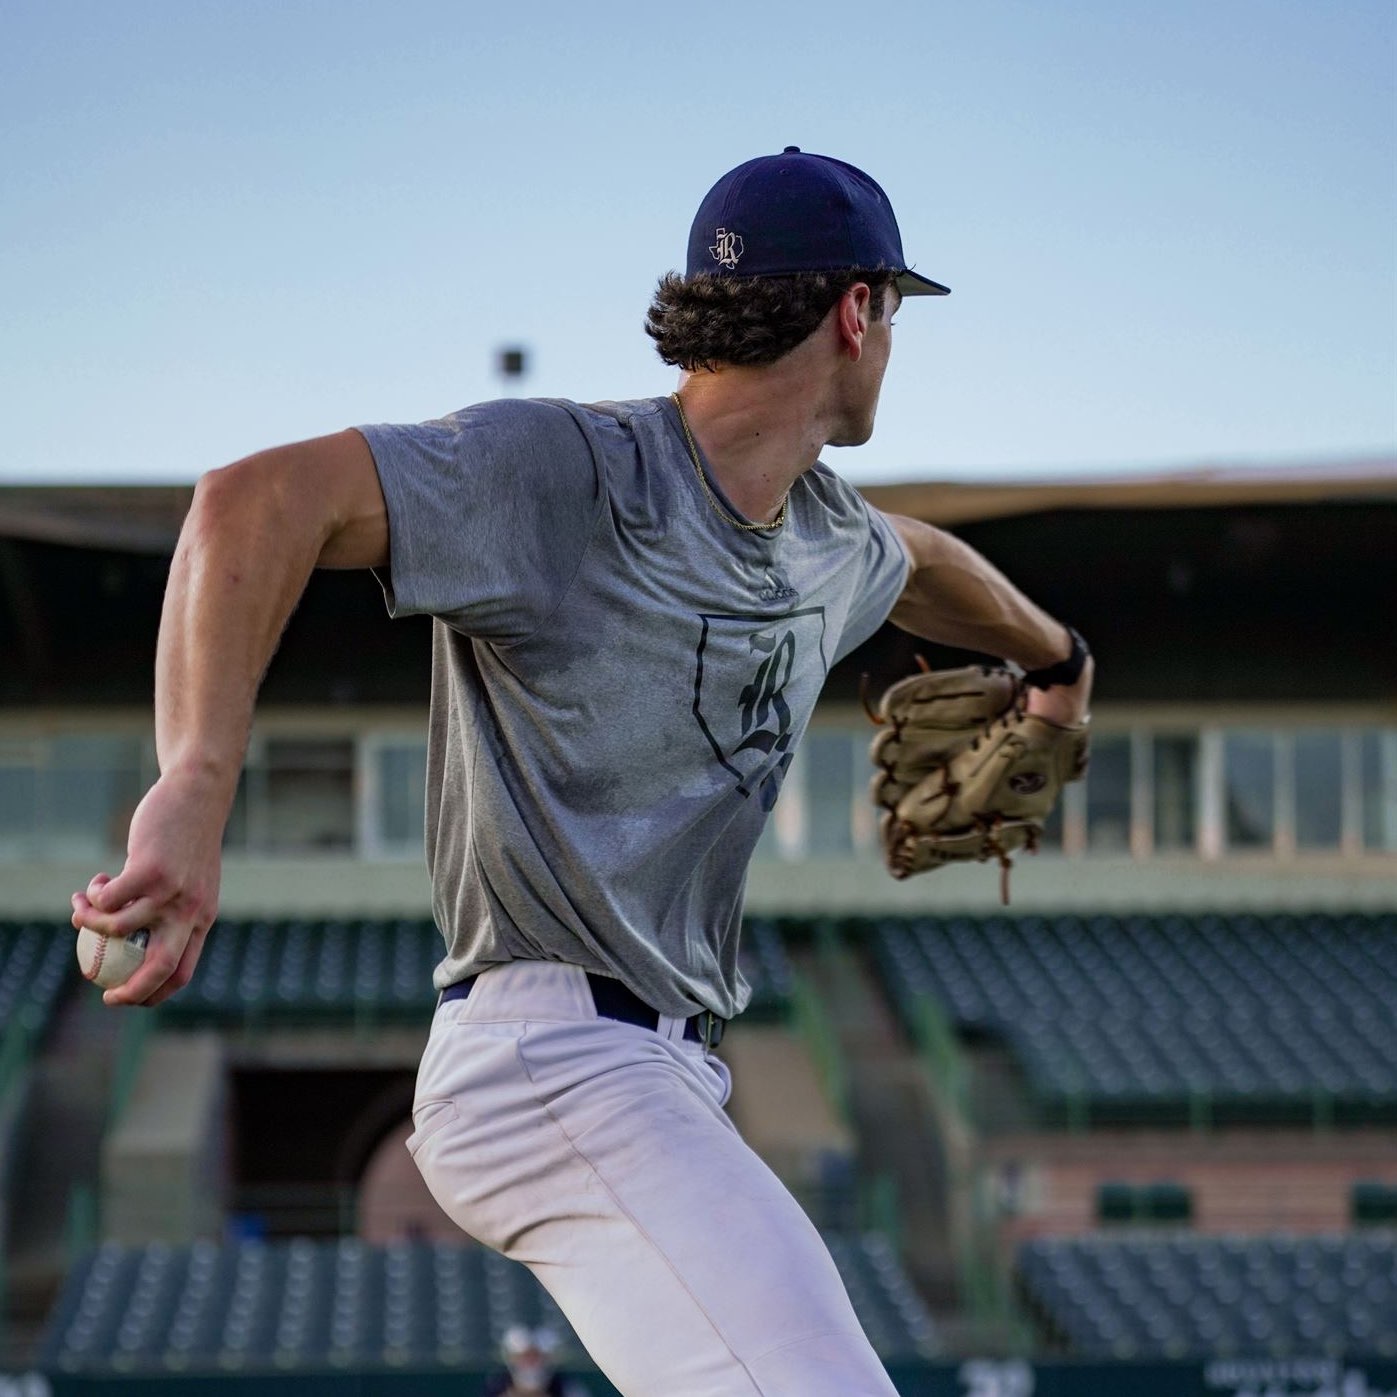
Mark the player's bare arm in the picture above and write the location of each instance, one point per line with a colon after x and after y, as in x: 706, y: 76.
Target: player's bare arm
x: 954, y: 596
x: 253, y: 535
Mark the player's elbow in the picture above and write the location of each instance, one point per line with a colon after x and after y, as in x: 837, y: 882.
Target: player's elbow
x: 913, y: 612
x: 233, y: 506
x: 319, y: 499
x: 925, y: 544
x: 222, y: 499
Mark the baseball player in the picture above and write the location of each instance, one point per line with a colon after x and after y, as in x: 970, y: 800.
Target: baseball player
x: 529, y: 1368
x: 636, y: 604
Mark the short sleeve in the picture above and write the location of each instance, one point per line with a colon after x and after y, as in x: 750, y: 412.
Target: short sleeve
x: 882, y: 577
x: 489, y: 513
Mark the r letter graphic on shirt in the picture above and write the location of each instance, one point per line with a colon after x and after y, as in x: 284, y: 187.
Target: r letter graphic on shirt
x: 755, y: 682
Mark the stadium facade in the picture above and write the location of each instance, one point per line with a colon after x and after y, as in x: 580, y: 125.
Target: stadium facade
x: 1148, y: 1116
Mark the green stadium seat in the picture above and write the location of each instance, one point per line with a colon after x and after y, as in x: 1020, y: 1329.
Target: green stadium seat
x: 1183, y: 1296
x: 1117, y: 1202
x: 36, y: 961
x: 1374, y: 1202
x: 375, y: 970
x: 1167, y: 1202
x: 316, y: 1306
x: 1140, y: 1017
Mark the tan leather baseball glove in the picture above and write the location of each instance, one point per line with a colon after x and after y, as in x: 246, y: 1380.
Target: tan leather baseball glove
x: 964, y: 772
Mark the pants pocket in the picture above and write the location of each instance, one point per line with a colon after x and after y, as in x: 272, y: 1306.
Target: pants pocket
x: 723, y: 1075
x: 427, y: 1119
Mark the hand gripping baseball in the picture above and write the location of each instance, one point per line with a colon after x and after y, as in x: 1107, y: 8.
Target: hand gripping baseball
x: 168, y: 885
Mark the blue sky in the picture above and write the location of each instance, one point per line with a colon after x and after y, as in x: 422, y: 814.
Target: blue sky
x: 1169, y: 226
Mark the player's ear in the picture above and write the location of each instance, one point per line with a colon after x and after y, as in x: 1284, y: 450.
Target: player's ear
x: 852, y: 317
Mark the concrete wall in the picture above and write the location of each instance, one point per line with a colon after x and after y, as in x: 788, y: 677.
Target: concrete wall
x: 828, y: 886
x: 1089, y: 884
x: 1241, y: 1181
x: 779, y: 1105
x: 163, y: 1161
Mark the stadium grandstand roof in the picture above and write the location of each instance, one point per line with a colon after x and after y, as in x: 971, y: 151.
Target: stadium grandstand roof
x: 146, y: 518
x: 134, y: 518
x: 1193, y: 487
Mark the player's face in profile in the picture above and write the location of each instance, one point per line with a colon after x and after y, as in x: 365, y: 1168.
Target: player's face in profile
x: 865, y: 378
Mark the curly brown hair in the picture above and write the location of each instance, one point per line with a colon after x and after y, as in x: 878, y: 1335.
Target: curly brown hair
x: 705, y: 321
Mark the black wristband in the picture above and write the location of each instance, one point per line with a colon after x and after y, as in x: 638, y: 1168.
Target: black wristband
x: 1065, y: 672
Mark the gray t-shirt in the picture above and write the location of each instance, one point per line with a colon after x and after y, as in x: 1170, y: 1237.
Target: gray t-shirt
x: 619, y: 680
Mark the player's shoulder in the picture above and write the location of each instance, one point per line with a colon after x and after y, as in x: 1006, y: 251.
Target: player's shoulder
x: 619, y: 417
x: 547, y: 434
x: 523, y: 417
x: 623, y: 436
x: 826, y: 492
x: 540, y: 414
x: 606, y: 425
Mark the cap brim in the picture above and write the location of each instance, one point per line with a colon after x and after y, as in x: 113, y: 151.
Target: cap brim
x: 911, y: 284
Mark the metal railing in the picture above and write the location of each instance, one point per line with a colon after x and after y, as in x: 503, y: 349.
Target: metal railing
x: 17, y: 1046
x: 811, y: 1021
x: 132, y: 1039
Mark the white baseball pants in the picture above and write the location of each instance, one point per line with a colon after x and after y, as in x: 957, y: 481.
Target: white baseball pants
x: 598, y: 1154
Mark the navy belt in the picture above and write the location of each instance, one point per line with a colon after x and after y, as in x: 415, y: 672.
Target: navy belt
x: 615, y: 1001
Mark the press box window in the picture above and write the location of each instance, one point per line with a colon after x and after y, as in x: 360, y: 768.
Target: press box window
x: 1108, y: 795
x: 19, y: 788
x: 1378, y: 765
x: 1319, y: 780
x: 1175, y: 783
x: 87, y: 793
x: 829, y: 791
x: 1249, y: 789
x: 401, y: 776
x: 308, y: 789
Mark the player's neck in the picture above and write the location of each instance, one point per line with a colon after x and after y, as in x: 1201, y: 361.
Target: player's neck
x: 759, y: 431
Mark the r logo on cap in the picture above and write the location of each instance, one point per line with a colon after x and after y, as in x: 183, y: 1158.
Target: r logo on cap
x: 807, y: 213
x: 727, y: 249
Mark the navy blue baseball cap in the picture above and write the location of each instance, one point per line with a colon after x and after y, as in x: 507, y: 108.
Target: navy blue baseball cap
x: 794, y: 212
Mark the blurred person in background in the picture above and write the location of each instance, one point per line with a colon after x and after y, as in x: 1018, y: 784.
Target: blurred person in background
x: 529, y: 1370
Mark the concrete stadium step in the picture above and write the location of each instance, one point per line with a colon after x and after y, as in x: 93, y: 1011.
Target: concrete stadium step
x: 892, y: 1114
x: 62, y: 1151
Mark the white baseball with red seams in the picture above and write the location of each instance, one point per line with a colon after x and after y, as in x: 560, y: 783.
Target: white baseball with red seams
x: 110, y: 961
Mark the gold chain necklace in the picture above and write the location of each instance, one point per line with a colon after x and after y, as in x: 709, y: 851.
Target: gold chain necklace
x: 708, y: 489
